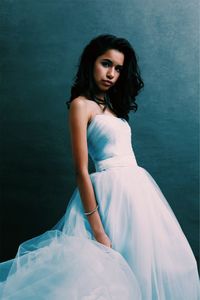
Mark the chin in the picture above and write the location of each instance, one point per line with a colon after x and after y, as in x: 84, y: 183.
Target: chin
x: 105, y: 89
x: 102, y: 91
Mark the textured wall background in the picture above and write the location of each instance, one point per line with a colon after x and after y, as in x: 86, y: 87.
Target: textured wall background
x: 40, y: 45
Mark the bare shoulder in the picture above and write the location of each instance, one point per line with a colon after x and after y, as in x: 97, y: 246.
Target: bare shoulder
x: 78, y: 103
x: 81, y: 106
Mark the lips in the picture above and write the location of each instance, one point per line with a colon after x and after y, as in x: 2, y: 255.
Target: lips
x: 107, y: 82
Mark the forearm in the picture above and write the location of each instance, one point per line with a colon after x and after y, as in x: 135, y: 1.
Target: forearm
x: 89, y: 201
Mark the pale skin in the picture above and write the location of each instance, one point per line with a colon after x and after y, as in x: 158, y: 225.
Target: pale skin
x: 106, y: 72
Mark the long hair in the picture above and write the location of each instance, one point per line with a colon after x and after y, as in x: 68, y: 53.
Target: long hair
x: 122, y: 96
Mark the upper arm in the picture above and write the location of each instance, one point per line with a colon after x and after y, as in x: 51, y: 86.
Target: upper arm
x: 78, y: 119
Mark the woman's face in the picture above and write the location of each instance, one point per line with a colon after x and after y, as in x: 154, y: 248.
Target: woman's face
x: 107, y: 68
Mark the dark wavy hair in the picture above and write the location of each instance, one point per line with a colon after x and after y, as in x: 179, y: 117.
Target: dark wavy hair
x: 121, y: 97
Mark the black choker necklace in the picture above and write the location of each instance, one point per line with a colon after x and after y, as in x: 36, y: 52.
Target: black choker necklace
x: 106, y: 101
x: 99, y: 100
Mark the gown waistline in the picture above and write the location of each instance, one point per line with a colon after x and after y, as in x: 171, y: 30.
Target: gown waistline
x: 115, y: 161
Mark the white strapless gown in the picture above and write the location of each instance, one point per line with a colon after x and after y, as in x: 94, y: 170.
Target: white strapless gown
x: 151, y: 258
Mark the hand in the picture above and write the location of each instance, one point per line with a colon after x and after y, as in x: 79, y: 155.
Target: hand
x: 102, y: 238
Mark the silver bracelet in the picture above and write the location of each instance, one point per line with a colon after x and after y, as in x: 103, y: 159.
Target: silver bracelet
x: 91, y: 212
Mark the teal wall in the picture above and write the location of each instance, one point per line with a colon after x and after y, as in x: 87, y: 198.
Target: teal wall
x: 40, y: 45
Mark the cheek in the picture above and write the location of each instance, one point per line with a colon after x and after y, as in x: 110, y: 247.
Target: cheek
x: 96, y: 71
x: 117, y: 76
x: 99, y: 70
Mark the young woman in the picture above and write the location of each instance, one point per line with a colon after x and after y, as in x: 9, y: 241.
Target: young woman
x: 119, y: 238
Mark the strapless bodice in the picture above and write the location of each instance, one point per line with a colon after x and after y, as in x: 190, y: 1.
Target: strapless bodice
x: 109, y: 142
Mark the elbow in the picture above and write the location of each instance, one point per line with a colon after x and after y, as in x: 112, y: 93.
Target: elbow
x: 81, y: 172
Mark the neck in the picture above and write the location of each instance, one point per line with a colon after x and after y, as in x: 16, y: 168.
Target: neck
x: 102, y: 99
x: 100, y: 96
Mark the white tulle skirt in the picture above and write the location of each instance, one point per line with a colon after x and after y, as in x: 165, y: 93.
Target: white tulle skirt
x: 55, y: 266
x: 151, y: 258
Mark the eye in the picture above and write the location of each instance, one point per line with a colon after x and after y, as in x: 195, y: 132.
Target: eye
x: 105, y: 63
x: 118, y: 69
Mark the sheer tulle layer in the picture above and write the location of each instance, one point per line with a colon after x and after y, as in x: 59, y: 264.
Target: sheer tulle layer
x: 56, y: 266
x: 67, y: 263
x: 143, y: 228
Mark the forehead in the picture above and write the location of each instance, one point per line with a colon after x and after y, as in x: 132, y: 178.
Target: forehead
x: 113, y: 55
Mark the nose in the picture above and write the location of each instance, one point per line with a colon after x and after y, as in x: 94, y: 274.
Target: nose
x: 111, y: 72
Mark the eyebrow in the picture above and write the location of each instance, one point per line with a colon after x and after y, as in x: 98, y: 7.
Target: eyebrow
x: 110, y: 61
